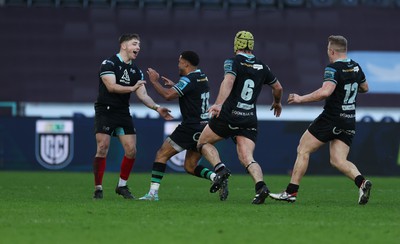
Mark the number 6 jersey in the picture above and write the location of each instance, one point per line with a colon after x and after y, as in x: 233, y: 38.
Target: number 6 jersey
x: 239, y: 109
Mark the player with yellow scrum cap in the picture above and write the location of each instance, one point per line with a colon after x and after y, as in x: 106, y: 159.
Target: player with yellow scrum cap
x: 234, y: 114
x: 243, y: 40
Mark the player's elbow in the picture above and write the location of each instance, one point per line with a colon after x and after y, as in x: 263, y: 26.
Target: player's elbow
x: 363, y: 88
x: 277, y: 87
x: 169, y: 97
x: 323, y: 95
x: 278, y: 90
x: 110, y: 89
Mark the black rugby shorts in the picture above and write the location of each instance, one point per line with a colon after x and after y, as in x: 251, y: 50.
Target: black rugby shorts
x: 325, y: 130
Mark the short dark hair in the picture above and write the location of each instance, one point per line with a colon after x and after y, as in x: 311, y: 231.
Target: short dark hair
x: 191, y: 57
x: 128, y: 37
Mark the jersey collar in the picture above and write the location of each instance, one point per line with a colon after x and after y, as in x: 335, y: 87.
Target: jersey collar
x: 195, y: 71
x: 342, y: 60
x: 246, y: 55
x: 120, y: 59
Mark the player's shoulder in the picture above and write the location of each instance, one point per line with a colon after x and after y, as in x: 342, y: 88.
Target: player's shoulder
x: 196, y: 73
x: 228, y: 64
x: 334, y: 67
x: 230, y: 60
x: 340, y: 66
x: 235, y: 61
x: 186, y: 78
x: 200, y: 77
x: 354, y: 63
x: 110, y: 61
x: 259, y: 62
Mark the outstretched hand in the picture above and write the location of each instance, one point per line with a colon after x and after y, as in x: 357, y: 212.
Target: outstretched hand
x: 154, y: 76
x: 165, y: 113
x: 293, y: 98
x: 167, y: 82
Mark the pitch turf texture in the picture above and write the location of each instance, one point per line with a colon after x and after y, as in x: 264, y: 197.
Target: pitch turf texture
x: 54, y: 207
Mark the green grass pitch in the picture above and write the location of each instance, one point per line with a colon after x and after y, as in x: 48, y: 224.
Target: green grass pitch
x: 57, y: 207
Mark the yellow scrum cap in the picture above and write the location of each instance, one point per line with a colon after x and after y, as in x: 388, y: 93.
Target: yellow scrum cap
x: 243, y: 40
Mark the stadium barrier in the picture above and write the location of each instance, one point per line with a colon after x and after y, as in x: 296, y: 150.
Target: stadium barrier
x: 68, y: 144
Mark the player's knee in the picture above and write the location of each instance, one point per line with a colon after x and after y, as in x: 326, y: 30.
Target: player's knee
x: 160, y: 156
x: 336, y: 162
x: 189, y: 168
x: 303, y: 153
x: 130, y: 152
x: 200, y: 147
x: 102, y: 150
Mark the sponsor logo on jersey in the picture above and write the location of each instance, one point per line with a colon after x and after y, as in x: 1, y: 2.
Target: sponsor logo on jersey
x: 240, y: 113
x: 183, y: 82
x: 228, y: 65
x: 348, y: 107
x: 257, y: 66
x: 54, y: 143
x: 329, y: 74
x: 247, y: 65
x: 125, y: 78
x: 107, y: 62
x: 202, y: 79
x: 244, y: 106
x: 354, y: 69
x: 347, y: 116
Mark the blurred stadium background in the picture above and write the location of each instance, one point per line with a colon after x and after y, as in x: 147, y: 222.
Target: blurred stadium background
x: 51, y: 51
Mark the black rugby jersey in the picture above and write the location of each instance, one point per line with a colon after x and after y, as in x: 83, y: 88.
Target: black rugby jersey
x: 194, y: 95
x: 340, y: 106
x: 239, y: 109
x: 125, y: 74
